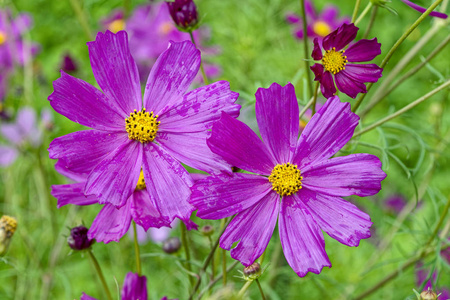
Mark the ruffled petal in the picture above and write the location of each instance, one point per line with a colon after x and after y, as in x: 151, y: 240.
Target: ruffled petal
x: 171, y: 76
x: 318, y: 70
x: 7, y: 155
x: 134, y: 287
x: 422, y: 10
x: 192, y: 150
x: 200, y: 108
x: 252, y: 229
x: 341, y: 37
x: 115, y: 70
x: 144, y: 212
x: 114, y: 179
x: 340, y: 219
x: 218, y: 197
x: 168, y: 183
x: 363, y: 72
x: 363, y: 50
x: 327, y: 132
x: 355, y: 174
x: 302, y: 241
x: 327, y: 85
x: 317, y: 51
x: 111, y: 223
x: 277, y: 115
x: 348, y: 85
x: 240, y: 146
x: 72, y: 194
x: 84, y: 104
x: 81, y: 151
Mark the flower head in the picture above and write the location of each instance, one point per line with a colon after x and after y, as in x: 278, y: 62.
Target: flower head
x: 337, y: 63
x: 134, y: 288
x: 8, y: 226
x: 129, y: 133
x: 184, y: 14
x: 294, y: 180
x: 319, y: 25
x: 78, y: 238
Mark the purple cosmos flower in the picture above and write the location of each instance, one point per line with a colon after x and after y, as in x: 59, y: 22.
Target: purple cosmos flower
x: 150, y: 29
x: 134, y: 288
x: 129, y: 135
x: 319, y: 25
x: 422, y: 9
x: 184, y: 14
x: 350, y: 78
x: 78, y: 238
x: 294, y: 180
x: 25, y: 131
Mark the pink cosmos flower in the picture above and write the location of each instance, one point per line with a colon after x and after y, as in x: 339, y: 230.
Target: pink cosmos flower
x: 349, y: 77
x: 129, y: 133
x: 292, y: 179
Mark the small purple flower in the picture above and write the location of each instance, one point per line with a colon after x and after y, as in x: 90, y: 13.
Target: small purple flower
x: 68, y: 65
x: 134, y: 288
x: 184, y: 14
x: 293, y: 180
x: 78, y: 238
x: 422, y: 10
x: 319, y: 25
x: 395, y: 203
x: 350, y: 78
x: 128, y: 135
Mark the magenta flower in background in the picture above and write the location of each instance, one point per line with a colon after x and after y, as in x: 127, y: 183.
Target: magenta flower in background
x: 350, y: 78
x: 422, y: 9
x: 395, y: 203
x: 128, y: 135
x: 134, y: 288
x: 150, y: 29
x: 319, y: 25
x: 293, y: 180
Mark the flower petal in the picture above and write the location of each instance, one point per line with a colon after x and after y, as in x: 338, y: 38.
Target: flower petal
x: 302, y: 241
x: 144, y: 212
x: 200, y: 108
x: 12, y: 133
x: 329, y: 14
x: 240, y: 146
x: 327, y: 132
x: 171, y: 76
x: 277, y: 115
x: 218, y: 197
x: 318, y: 71
x: 72, y: 194
x: 81, y: 151
x: 327, y: 85
x: 168, y: 183
x: 355, y: 174
x: 363, y: 50
x: 7, y: 155
x: 340, y: 219
x: 87, y: 297
x: 111, y: 223
x: 84, y: 104
x: 363, y: 72
x: 115, y: 70
x: 348, y: 85
x: 134, y: 287
x: 252, y: 229
x: 317, y: 51
x: 114, y: 179
x: 422, y: 10
x: 341, y: 37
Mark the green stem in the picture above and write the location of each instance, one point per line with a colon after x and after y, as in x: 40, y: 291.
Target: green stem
x: 305, y: 47
x: 396, y: 45
x: 244, y: 289
x: 316, y: 91
x: 184, y: 241
x: 218, y: 278
x: 364, y: 13
x: 81, y: 16
x: 213, y: 269
x: 99, y: 273
x: 355, y: 10
x: 224, y: 266
x: 126, y: 8
x: 305, y: 108
x: 205, y: 79
x: 136, y: 251
x: 373, y: 16
x: 404, y: 109
x: 260, y: 289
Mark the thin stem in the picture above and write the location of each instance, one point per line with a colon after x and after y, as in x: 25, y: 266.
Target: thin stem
x: 187, y: 253
x: 213, y: 269
x: 260, y: 289
x: 373, y: 16
x: 244, y: 288
x: 205, y: 79
x: 302, y: 112
x: 355, y: 10
x: 136, y: 251
x: 316, y: 91
x: 81, y: 16
x: 218, y: 278
x: 364, y: 13
x: 305, y: 46
x: 396, y: 45
x: 99, y: 273
x: 404, y: 109
x: 126, y: 8
x: 224, y: 266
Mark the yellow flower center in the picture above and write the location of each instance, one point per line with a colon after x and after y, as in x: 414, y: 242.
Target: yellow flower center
x: 8, y: 224
x: 117, y: 25
x: 142, y: 126
x: 321, y: 28
x: 333, y: 61
x: 165, y: 28
x: 2, y: 37
x: 286, y: 179
x: 141, y: 182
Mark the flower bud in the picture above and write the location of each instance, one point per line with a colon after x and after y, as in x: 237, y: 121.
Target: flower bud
x: 68, y: 64
x: 252, y: 272
x: 184, y: 14
x: 8, y: 226
x: 78, y: 239
x: 207, y: 230
x: 428, y: 295
x: 171, y: 245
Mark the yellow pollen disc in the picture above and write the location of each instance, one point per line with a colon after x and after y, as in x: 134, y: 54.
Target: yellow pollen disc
x: 117, y: 25
x: 2, y: 37
x: 142, y: 126
x: 321, y: 28
x: 165, y: 28
x: 8, y: 224
x: 286, y: 179
x: 141, y: 182
x: 333, y: 61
